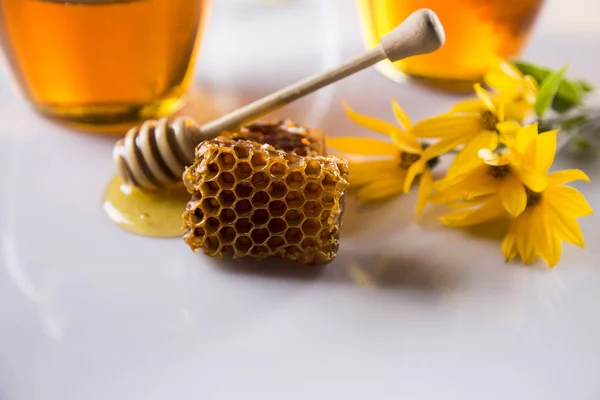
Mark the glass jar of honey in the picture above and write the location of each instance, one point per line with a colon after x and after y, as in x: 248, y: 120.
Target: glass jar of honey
x: 477, y: 33
x: 102, y: 64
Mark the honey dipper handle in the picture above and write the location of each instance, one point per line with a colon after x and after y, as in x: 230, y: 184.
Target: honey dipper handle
x: 155, y: 154
x: 420, y: 33
x: 287, y: 95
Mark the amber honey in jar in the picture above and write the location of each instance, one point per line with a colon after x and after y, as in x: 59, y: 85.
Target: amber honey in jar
x: 477, y: 33
x: 102, y: 63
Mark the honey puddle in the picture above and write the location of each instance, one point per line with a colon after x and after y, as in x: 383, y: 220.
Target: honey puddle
x: 154, y: 214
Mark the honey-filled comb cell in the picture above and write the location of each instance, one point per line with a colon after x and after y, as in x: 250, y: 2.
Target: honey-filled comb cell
x: 252, y: 200
x: 284, y: 135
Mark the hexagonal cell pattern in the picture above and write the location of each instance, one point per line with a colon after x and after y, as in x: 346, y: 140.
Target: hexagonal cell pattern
x: 249, y: 199
x: 283, y: 135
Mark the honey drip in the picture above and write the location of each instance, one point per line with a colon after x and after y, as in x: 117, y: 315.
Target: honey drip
x: 154, y: 214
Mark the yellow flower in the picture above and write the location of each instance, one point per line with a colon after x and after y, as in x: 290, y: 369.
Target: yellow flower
x: 516, y: 91
x: 463, y: 125
x: 391, y: 166
x: 496, y: 184
x: 530, y: 153
x: 549, y: 219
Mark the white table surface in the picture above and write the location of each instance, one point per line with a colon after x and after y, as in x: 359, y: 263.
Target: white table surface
x: 406, y: 311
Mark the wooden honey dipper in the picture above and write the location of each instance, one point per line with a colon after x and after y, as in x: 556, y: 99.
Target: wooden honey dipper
x: 156, y: 153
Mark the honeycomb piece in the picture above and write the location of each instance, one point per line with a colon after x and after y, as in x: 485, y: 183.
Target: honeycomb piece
x: 284, y: 135
x: 251, y: 200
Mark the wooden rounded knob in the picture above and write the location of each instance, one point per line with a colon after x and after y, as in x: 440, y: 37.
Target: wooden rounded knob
x: 420, y: 33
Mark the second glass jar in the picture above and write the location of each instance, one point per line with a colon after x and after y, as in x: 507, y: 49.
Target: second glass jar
x: 477, y: 33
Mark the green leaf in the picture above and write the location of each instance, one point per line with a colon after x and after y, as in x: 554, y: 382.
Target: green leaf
x: 536, y: 72
x: 584, y: 85
x: 581, y: 143
x: 573, y: 122
x: 548, y: 89
x: 561, y: 105
x: 567, y: 96
x: 570, y: 92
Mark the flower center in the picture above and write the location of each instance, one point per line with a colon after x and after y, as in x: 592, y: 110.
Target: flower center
x: 499, y: 171
x: 533, y: 198
x: 408, y: 159
x: 489, y: 120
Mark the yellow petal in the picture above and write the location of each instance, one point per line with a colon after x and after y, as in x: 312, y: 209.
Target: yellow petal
x: 485, y: 189
x: 500, y: 111
x: 518, y: 110
x: 569, y: 200
x: 407, y: 142
x: 509, y: 75
x: 509, y: 249
x: 484, y: 140
x: 445, y: 125
x: 539, y: 236
x: 526, y: 136
x: 510, y: 128
x: 552, y: 249
x: 500, y: 82
x: 523, y: 138
x: 566, y: 227
x: 379, y: 190
x: 443, y: 146
x: 530, y: 87
x: 362, y: 178
x: 365, y: 146
x: 523, y: 241
x: 488, y: 211
x: 484, y: 97
x: 568, y: 175
x: 508, y: 132
x: 530, y: 153
x: 516, y: 92
x: 373, y: 166
x: 532, y: 178
x: 490, y: 158
x: 513, y: 195
x: 467, y: 106
x: 545, y: 150
x: 509, y: 70
x: 461, y: 164
x: 455, y: 188
x: 425, y: 187
x: 401, y: 115
x: 464, y: 204
x: 415, y: 169
x: 367, y: 174
x: 460, y: 172
x: 371, y: 123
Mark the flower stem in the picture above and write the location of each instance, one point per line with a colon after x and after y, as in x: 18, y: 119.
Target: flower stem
x: 580, y: 125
